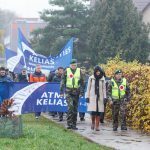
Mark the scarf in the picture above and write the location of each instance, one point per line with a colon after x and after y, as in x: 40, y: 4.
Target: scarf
x: 97, y: 78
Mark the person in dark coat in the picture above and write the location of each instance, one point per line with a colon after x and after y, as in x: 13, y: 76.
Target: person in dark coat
x: 107, y: 80
x: 3, y: 84
x: 57, y: 78
x: 86, y: 77
x: 3, y: 76
x: 23, y: 77
x: 51, y: 75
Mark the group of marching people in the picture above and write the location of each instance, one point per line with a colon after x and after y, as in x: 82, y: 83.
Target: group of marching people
x: 74, y: 83
x: 99, y: 90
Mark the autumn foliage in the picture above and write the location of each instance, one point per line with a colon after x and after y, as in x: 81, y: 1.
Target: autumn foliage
x: 138, y: 75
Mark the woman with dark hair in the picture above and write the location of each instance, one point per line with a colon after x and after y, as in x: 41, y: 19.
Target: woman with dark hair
x: 95, y: 95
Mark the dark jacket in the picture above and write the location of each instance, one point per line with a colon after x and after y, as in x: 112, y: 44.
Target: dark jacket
x: 5, y: 79
x: 22, y: 78
x: 51, y: 76
x: 56, y: 78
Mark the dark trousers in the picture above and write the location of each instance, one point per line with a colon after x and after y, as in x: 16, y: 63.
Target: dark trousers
x: 116, y: 108
x: 37, y: 114
x: 60, y: 115
x: 72, y: 101
x: 81, y: 114
x: 103, y: 113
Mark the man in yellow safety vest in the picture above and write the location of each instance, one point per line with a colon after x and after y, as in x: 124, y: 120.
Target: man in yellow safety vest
x: 119, y: 95
x: 73, y: 84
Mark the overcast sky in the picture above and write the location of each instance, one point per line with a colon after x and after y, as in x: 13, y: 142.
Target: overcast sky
x: 24, y: 8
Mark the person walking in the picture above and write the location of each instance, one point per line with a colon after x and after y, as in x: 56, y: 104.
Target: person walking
x: 73, y: 84
x: 107, y: 80
x: 57, y: 78
x: 37, y: 76
x: 119, y: 96
x: 95, y: 95
x: 86, y: 77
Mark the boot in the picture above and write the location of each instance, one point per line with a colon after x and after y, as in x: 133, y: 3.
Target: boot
x: 123, y: 128
x: 97, y: 123
x: 114, y: 128
x: 93, y: 122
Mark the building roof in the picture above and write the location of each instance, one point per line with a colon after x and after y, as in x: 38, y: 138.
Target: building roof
x: 141, y: 4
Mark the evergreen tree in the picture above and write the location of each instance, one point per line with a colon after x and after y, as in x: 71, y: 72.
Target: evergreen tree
x: 117, y: 28
x: 69, y: 20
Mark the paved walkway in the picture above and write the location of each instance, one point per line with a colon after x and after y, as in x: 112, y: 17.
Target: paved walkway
x: 119, y: 140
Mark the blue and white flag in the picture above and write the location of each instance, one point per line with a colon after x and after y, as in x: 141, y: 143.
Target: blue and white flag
x: 36, y: 97
x: 9, y: 53
x: 26, y: 57
x: 13, y: 59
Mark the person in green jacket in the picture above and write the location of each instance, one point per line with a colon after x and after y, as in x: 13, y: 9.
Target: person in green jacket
x: 72, y: 84
x: 119, y: 96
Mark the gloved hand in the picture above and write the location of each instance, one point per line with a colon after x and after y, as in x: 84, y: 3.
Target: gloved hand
x: 126, y: 99
x: 87, y: 100
x: 105, y: 100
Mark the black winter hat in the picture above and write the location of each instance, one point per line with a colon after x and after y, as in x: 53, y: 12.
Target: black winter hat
x: 97, y: 68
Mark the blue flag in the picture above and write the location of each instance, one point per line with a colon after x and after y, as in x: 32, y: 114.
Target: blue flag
x: 14, y: 60
x: 27, y: 57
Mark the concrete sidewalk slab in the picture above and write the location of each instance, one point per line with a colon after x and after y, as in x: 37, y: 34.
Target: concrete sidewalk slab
x: 120, y: 140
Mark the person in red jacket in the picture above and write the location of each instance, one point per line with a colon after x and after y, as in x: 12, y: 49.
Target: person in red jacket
x: 37, y: 76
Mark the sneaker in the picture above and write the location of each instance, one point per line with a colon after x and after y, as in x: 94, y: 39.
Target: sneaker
x: 82, y: 119
x: 36, y: 117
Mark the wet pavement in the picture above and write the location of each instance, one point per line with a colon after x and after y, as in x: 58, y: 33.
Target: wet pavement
x: 119, y: 140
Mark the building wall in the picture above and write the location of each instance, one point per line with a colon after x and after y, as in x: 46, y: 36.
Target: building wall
x: 27, y: 25
x: 146, y: 15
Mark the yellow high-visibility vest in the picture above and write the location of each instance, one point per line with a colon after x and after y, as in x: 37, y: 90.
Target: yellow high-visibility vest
x: 118, y: 92
x: 73, y: 79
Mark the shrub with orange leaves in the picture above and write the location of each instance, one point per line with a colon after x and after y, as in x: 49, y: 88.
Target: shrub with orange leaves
x: 138, y: 76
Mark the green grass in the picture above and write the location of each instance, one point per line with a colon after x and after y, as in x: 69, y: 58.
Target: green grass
x: 46, y: 135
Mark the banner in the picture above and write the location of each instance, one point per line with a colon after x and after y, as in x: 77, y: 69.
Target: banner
x: 13, y: 59
x: 26, y: 57
x: 37, y: 97
x: 4, y: 91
